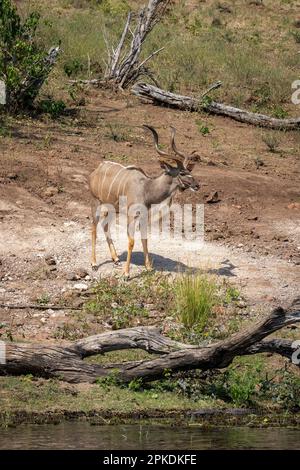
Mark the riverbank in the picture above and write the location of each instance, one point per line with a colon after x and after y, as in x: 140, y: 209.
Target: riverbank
x: 25, y: 400
x: 206, y: 418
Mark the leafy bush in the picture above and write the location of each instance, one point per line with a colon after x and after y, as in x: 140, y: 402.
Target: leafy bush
x: 239, y: 383
x: 53, y: 107
x: 73, y: 66
x: 24, y: 65
x: 202, y: 127
x: 283, y: 389
x: 195, y: 296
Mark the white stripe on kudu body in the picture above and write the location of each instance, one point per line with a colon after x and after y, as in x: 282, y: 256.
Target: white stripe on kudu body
x: 106, y: 164
x: 124, y: 176
x: 112, y: 180
x: 112, y: 183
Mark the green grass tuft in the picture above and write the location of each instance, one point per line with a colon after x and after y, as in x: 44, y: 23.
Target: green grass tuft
x: 195, y: 297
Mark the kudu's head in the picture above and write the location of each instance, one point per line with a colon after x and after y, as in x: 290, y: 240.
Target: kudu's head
x: 176, y: 165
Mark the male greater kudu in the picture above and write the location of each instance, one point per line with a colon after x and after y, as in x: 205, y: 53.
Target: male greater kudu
x: 110, y: 181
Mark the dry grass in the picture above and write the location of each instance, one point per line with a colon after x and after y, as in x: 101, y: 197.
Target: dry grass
x: 256, y: 60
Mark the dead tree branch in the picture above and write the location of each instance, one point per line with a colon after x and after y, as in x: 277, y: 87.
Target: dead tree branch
x: 126, y: 69
x: 67, y: 362
x: 37, y: 307
x: 159, y: 96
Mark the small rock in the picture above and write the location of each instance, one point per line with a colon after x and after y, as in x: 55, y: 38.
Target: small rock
x: 254, y: 217
x: 51, y: 191
x: 72, y: 277
x: 241, y: 304
x: 213, y: 197
x: 80, y: 286
x: 293, y: 205
x: 216, y: 22
x: 217, y: 236
x: 81, y: 273
x: 12, y: 176
x: 240, y: 245
x: 224, y: 8
x: 50, y: 260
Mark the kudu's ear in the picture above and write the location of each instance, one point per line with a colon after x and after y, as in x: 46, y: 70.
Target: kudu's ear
x: 192, y: 160
x: 190, y: 165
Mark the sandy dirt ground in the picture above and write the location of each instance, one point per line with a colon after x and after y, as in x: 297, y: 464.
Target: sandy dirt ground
x: 252, y: 235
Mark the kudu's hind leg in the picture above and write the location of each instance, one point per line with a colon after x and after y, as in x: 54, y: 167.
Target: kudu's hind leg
x: 95, y: 207
x: 130, y: 233
x: 110, y: 243
x: 144, y: 224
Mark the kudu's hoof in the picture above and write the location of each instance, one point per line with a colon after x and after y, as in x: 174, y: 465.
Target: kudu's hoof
x: 117, y: 263
x: 94, y: 267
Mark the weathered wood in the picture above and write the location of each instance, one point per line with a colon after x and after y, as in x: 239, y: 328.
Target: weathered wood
x: 66, y: 362
x: 159, y: 96
x: 280, y: 346
x: 123, y: 64
x: 38, y: 307
x: 147, y: 338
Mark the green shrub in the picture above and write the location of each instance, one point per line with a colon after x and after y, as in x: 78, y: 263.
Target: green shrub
x: 195, y: 296
x: 53, y: 107
x: 73, y: 66
x: 202, y: 127
x: 23, y: 64
x: 240, y: 382
x: 296, y: 35
x: 283, y: 389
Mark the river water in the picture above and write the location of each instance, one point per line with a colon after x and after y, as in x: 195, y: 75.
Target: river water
x: 82, y: 435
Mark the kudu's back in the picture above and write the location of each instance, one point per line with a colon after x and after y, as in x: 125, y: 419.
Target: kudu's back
x: 112, y: 180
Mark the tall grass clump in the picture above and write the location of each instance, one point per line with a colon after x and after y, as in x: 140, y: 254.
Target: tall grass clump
x: 195, y: 297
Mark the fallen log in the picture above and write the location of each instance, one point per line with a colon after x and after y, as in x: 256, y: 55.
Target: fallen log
x: 188, y: 103
x: 67, y: 362
x: 38, y: 307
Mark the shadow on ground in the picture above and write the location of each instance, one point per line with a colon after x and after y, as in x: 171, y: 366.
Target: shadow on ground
x: 169, y: 265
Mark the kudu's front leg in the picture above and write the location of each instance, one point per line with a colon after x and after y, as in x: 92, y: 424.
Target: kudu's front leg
x: 148, y: 262
x: 95, y: 219
x: 144, y: 229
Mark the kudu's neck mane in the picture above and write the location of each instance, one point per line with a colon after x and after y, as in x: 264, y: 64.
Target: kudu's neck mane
x: 159, y: 188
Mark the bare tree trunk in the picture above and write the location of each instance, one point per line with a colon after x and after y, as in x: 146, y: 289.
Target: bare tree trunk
x: 123, y: 66
x: 66, y: 363
x: 159, y: 96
